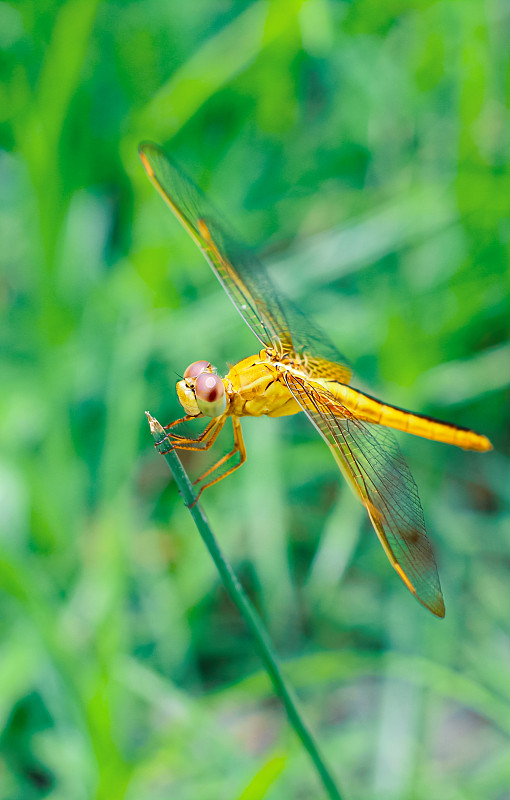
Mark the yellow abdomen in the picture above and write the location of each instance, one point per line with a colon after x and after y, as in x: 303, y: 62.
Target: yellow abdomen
x: 370, y: 409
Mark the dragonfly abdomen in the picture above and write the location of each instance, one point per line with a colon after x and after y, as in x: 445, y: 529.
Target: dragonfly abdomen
x: 370, y: 409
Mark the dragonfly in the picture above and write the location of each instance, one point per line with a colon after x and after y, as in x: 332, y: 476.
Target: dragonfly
x: 298, y: 369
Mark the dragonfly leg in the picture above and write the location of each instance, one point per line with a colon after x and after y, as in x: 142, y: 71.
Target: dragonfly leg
x: 186, y: 418
x: 238, y: 448
x: 203, y: 442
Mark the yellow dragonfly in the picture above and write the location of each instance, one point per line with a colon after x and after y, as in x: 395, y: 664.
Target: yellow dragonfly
x: 299, y: 369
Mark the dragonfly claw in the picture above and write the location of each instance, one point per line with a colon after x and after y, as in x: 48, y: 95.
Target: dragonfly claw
x: 163, y: 452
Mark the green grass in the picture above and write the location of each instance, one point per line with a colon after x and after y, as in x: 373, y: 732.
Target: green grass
x: 364, y: 147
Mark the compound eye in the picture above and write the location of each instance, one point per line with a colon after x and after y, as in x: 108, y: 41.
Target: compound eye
x: 196, y: 368
x: 210, y: 394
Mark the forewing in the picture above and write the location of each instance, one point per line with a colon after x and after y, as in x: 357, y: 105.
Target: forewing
x: 275, y: 321
x: 370, y: 459
x: 241, y: 274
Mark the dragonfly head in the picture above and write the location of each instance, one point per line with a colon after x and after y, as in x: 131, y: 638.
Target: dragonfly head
x: 201, y: 391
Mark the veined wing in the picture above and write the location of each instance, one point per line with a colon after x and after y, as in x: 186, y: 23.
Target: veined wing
x: 372, y: 463
x: 274, y: 320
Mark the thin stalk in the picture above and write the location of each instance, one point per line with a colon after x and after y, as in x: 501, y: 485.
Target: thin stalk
x: 240, y: 598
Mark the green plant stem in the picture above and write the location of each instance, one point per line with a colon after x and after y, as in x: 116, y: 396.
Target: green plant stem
x: 248, y: 612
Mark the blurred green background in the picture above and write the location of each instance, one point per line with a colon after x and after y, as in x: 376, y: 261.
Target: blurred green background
x: 364, y: 147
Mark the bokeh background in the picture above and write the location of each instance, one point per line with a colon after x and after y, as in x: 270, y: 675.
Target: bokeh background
x: 363, y: 148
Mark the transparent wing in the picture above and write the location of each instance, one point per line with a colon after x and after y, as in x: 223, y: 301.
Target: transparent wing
x: 275, y: 321
x: 372, y: 463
